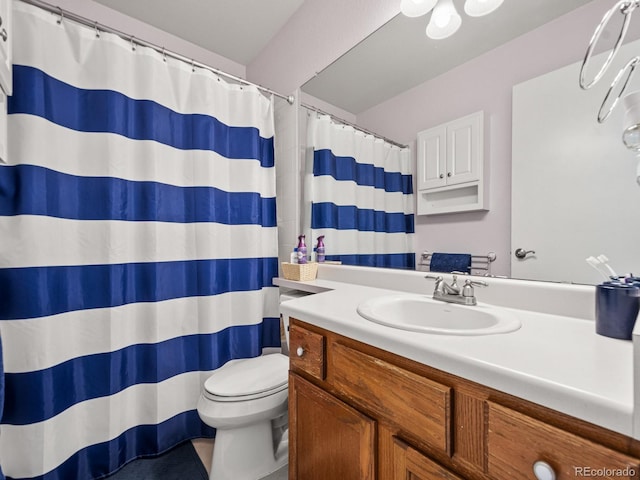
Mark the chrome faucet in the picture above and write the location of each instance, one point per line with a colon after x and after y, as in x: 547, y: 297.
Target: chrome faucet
x: 452, y: 293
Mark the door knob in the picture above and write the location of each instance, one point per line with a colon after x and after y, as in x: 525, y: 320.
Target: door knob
x: 522, y: 253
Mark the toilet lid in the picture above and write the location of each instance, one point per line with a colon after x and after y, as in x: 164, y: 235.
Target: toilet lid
x: 249, y: 376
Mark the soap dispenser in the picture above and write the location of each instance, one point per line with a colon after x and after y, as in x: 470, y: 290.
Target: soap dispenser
x: 302, y: 250
x: 320, y: 249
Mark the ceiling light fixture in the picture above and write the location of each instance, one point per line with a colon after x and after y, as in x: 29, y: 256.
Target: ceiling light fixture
x: 445, y: 20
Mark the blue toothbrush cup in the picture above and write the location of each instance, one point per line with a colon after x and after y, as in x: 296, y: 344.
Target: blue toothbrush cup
x: 617, y: 306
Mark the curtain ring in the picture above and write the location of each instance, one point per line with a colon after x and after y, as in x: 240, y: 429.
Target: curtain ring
x: 95, y: 26
x: 164, y: 55
x: 193, y: 69
x: 133, y: 45
x: 61, y: 16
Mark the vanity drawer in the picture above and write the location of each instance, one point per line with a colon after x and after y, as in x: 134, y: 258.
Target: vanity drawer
x: 416, y: 405
x: 307, y: 351
x: 515, y: 442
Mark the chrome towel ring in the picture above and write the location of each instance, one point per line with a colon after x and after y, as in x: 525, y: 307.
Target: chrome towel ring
x: 625, y: 8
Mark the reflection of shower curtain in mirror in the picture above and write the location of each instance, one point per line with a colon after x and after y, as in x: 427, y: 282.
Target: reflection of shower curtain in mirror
x: 139, y: 243
x: 359, y: 194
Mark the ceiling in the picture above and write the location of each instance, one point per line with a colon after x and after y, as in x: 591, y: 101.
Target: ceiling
x: 235, y: 29
x: 400, y: 56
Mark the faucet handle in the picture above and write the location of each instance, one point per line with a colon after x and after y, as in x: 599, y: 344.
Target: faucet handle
x: 476, y: 283
x: 467, y: 290
x: 439, y: 280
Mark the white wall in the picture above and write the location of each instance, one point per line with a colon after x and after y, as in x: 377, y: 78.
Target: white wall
x: 288, y: 175
x: 484, y: 83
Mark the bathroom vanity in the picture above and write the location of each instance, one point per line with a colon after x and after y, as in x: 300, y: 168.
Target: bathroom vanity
x: 358, y: 412
x: 371, y: 402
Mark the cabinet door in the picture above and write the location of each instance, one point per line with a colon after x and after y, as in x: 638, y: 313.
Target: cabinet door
x: 327, y: 438
x: 432, y: 158
x: 6, y: 35
x: 464, y: 149
x: 409, y: 464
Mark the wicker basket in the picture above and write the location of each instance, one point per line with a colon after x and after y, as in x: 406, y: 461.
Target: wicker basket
x: 301, y: 272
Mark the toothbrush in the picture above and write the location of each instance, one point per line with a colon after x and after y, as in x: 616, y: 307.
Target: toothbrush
x: 605, y: 261
x: 595, y: 263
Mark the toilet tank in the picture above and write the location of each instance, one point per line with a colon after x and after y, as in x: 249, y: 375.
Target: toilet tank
x: 284, y: 297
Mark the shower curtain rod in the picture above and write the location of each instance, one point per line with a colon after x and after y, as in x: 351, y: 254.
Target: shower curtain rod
x: 136, y: 41
x: 340, y: 120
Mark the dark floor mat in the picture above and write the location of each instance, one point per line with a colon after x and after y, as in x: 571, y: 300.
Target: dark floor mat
x: 180, y: 463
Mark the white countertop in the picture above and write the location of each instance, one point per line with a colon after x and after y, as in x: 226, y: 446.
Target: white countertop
x: 552, y: 360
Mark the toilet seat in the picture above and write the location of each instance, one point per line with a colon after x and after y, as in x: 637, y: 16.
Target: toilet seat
x: 248, y: 379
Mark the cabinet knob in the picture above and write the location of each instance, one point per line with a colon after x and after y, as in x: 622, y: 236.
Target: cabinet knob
x: 442, y: 175
x: 300, y: 351
x: 449, y: 174
x: 3, y: 35
x: 543, y: 471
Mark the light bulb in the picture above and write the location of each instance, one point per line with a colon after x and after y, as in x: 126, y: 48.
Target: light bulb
x: 442, y: 18
x: 445, y: 20
x: 417, y: 8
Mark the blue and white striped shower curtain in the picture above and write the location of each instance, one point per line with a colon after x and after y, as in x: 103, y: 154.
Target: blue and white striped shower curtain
x: 138, y: 246
x: 359, y: 193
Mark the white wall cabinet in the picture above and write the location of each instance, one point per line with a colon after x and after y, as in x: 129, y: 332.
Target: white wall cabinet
x: 451, y: 167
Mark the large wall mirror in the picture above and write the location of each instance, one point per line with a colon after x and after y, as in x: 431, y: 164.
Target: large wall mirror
x: 398, y: 57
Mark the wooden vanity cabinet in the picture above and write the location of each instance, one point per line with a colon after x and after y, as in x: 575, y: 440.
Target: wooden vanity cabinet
x: 357, y: 412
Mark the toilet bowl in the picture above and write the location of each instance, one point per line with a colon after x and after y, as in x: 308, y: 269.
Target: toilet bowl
x: 246, y: 402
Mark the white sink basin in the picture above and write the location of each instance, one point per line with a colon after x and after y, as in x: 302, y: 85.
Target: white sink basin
x: 420, y: 313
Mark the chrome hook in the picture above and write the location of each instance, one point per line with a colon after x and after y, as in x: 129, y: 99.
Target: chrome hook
x: 133, y: 45
x: 59, y: 22
x: 164, y: 55
x: 95, y: 26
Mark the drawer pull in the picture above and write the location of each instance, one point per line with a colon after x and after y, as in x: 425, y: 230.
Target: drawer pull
x: 543, y: 471
x: 300, y: 351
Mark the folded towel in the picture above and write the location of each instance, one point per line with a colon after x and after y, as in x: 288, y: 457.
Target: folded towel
x: 450, y: 262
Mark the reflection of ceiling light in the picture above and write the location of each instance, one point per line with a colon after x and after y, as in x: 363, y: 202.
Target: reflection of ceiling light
x: 445, y: 20
x: 417, y: 8
x: 478, y: 8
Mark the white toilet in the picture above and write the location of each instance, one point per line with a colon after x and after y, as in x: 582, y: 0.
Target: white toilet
x: 246, y: 402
